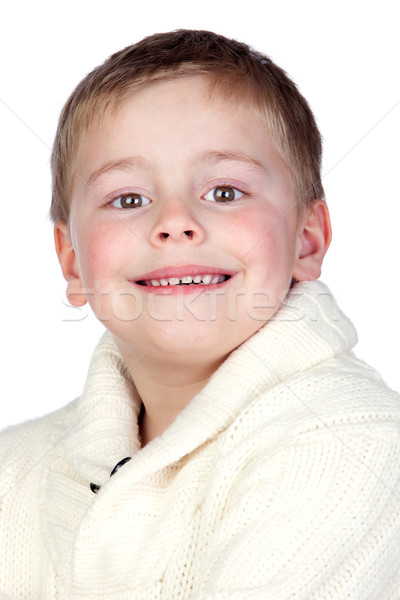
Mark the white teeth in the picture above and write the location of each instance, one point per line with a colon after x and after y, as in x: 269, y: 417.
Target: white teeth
x: 206, y: 279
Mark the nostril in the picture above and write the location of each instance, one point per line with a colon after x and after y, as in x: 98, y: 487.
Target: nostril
x: 188, y: 233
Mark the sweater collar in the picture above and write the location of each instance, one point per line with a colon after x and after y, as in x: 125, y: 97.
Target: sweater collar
x: 308, y: 329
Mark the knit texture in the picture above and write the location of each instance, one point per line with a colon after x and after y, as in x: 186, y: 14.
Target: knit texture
x: 280, y: 480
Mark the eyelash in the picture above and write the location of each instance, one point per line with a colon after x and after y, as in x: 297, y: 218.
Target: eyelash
x: 146, y: 201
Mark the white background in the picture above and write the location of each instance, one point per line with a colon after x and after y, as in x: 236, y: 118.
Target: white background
x: 345, y: 58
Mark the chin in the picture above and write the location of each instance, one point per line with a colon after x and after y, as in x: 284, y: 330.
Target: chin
x: 204, y: 342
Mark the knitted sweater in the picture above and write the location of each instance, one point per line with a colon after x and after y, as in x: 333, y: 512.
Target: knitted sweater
x: 280, y: 480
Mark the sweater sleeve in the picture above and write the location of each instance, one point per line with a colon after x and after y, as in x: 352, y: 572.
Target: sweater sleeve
x: 320, y: 520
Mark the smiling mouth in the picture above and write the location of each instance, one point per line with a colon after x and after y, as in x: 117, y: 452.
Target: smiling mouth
x: 207, y: 279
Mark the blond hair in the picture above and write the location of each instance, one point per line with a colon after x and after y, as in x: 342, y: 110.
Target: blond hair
x: 232, y: 67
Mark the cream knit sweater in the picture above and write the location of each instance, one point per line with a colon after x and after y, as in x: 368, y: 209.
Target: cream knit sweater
x: 279, y: 481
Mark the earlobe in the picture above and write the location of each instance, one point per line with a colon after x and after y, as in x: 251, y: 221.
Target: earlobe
x: 69, y: 265
x: 314, y: 237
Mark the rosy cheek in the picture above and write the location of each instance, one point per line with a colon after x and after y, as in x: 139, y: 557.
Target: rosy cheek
x: 255, y: 234
x: 246, y: 226
x: 103, y: 250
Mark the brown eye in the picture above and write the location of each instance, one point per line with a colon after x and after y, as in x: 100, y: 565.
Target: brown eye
x: 130, y: 201
x: 223, y: 194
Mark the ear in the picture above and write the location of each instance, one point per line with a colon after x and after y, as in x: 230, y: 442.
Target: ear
x: 314, y: 237
x: 69, y: 265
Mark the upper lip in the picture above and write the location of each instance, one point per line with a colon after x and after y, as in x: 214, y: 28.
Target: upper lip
x: 180, y: 271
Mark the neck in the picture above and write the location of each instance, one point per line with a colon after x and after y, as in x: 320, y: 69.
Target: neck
x: 162, y: 403
x: 165, y: 390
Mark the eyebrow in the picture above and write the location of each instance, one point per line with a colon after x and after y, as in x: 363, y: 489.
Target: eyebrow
x: 216, y: 156
x: 122, y: 164
x: 210, y: 156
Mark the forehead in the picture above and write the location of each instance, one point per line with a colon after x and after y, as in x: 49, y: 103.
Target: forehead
x: 171, y: 123
x: 183, y: 95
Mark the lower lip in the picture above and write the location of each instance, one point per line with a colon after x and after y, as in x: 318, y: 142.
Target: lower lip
x: 176, y: 290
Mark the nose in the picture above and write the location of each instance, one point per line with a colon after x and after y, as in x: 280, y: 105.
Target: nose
x: 176, y: 223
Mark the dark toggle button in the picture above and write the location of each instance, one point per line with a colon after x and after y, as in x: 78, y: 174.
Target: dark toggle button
x: 120, y: 464
x: 95, y: 488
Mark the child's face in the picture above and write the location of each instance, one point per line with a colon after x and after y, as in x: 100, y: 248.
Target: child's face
x: 147, y: 206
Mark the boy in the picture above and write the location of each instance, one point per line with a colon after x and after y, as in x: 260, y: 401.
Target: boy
x: 227, y: 444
